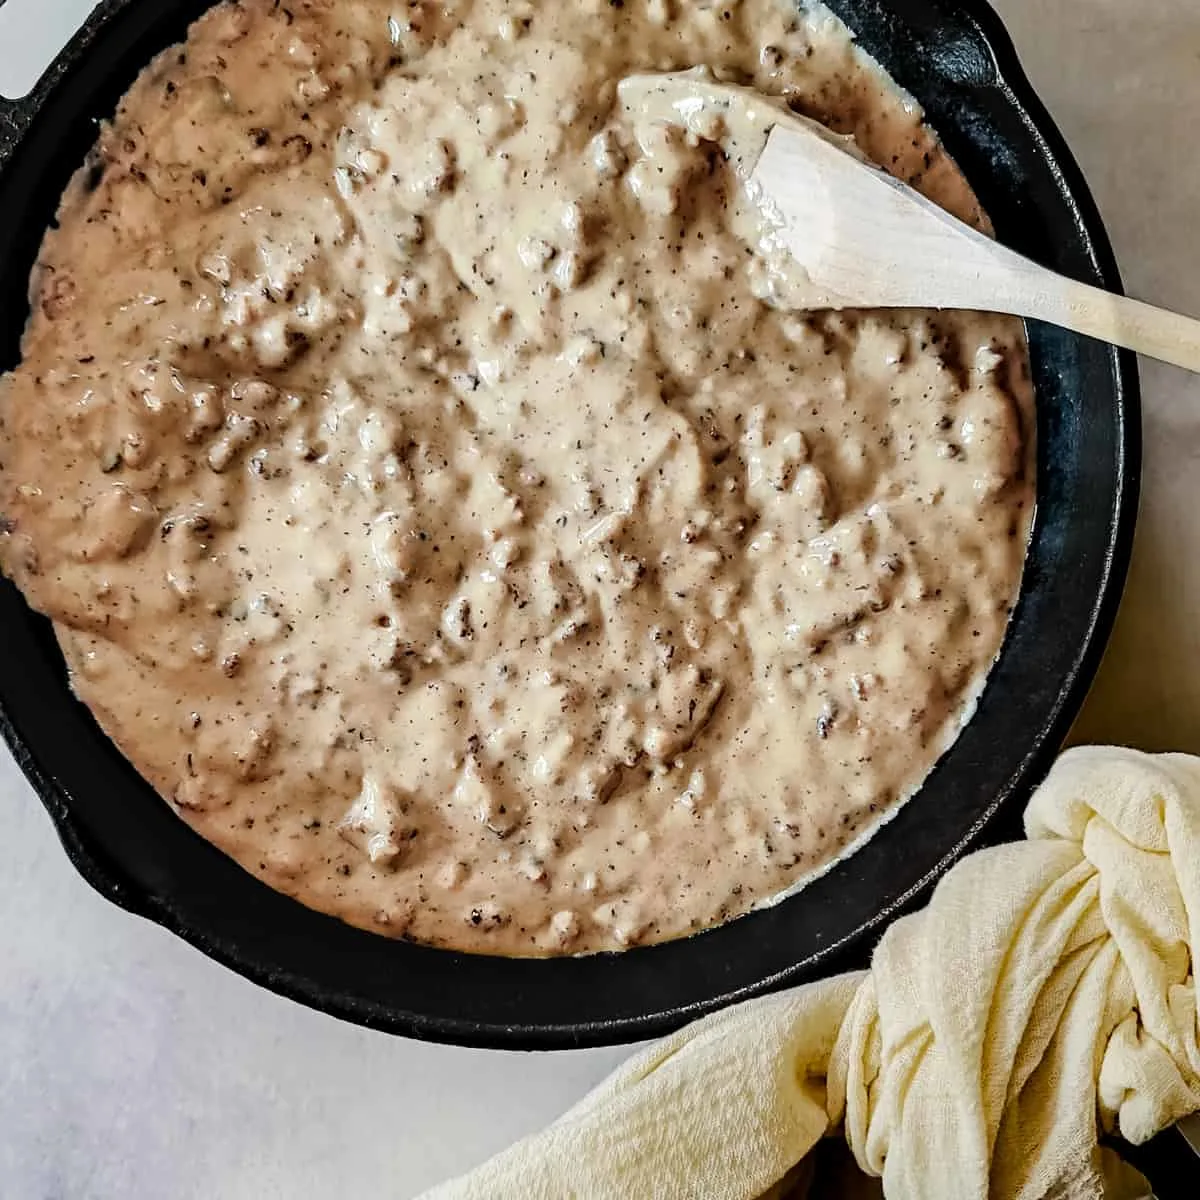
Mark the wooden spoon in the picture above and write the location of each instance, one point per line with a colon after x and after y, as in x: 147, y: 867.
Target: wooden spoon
x: 865, y: 240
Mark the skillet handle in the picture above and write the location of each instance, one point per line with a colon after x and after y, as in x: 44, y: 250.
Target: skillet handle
x: 1169, y: 1162
x: 99, y: 873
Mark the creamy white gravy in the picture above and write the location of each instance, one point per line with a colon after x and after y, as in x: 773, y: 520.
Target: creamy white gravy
x: 431, y: 509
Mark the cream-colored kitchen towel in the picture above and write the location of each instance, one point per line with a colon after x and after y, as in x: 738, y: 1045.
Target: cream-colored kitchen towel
x: 1046, y: 992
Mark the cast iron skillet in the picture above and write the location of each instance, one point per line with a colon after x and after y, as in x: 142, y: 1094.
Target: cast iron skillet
x: 955, y: 57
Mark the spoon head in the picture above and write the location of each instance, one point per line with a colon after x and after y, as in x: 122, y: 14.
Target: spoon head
x: 835, y: 230
x: 862, y: 238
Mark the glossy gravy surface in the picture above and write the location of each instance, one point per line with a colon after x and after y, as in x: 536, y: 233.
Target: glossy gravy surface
x: 432, y: 508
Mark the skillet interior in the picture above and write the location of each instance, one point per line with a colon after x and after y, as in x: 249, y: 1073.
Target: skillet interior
x: 955, y: 58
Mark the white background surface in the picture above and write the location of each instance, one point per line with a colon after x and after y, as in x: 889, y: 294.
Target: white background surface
x: 132, y: 1068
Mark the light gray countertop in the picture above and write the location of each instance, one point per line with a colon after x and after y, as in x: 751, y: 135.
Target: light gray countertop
x: 133, y: 1068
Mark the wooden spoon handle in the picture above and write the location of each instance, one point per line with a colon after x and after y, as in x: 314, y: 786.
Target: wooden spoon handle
x: 865, y: 240
x: 1153, y: 331
x: 971, y: 271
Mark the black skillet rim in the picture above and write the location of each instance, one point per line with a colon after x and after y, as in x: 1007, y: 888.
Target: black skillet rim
x: 150, y: 863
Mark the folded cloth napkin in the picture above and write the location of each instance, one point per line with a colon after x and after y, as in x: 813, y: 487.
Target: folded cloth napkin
x: 1045, y: 994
